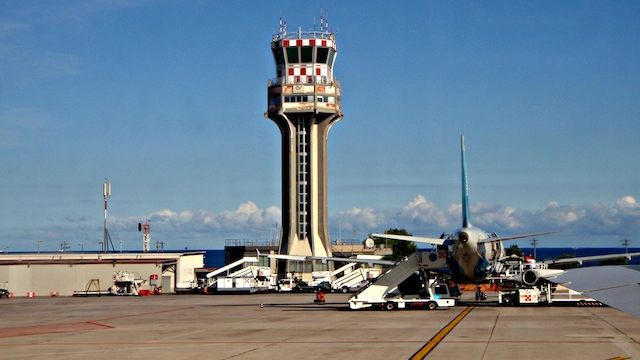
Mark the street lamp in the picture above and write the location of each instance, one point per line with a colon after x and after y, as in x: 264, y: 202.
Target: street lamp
x: 39, y: 241
x: 81, y: 246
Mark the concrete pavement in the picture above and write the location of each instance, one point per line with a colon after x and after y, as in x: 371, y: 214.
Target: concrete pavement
x: 292, y: 326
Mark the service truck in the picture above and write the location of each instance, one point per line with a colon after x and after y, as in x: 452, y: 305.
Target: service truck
x: 526, y: 286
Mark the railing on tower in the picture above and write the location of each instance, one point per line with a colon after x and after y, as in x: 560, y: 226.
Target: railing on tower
x: 303, y: 79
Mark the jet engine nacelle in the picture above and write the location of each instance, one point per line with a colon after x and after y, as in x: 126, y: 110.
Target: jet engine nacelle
x: 530, y: 277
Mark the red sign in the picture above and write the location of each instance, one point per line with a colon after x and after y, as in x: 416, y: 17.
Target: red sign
x: 154, y: 277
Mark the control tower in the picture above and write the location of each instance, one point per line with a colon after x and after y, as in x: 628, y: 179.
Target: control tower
x: 304, y: 101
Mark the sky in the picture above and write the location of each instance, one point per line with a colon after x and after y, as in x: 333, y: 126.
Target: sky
x: 166, y: 99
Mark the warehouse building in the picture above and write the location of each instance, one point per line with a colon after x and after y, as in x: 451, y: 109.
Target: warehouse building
x: 62, y: 274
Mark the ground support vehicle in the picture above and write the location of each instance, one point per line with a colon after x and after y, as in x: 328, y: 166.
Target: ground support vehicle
x: 523, y: 284
x: 353, y: 279
x: 347, y: 278
x: 4, y: 291
x: 408, y: 284
x: 431, y: 297
x: 286, y: 285
x: 248, y: 279
x: 126, y: 283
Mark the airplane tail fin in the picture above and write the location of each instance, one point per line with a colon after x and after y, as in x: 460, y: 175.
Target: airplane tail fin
x: 465, y: 188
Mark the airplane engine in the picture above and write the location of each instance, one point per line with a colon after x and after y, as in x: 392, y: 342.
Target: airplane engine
x: 530, y: 277
x: 463, y: 237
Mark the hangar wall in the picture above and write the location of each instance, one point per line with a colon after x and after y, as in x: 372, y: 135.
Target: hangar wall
x: 66, y: 277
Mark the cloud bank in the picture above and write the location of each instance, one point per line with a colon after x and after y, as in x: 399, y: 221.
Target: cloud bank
x: 204, y: 229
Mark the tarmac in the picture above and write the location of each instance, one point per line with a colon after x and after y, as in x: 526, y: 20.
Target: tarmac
x: 293, y: 326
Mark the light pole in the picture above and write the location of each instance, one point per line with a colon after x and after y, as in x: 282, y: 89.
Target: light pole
x: 626, y: 242
x: 534, y: 242
x: 39, y: 241
x: 81, y: 247
x: 106, y: 192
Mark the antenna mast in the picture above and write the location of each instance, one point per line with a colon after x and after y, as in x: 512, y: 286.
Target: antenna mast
x: 146, y: 235
x: 106, y: 192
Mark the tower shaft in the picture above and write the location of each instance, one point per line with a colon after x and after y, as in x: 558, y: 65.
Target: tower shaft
x: 304, y: 101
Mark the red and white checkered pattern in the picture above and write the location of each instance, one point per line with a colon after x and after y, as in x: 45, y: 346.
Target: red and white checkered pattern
x: 305, y: 42
x: 303, y: 70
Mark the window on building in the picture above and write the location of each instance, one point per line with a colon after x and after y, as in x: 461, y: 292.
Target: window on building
x: 306, y: 54
x: 332, y: 56
x: 292, y: 54
x: 321, y: 55
x: 278, y: 56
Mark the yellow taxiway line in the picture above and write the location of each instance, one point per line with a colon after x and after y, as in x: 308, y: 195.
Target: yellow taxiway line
x: 424, y: 351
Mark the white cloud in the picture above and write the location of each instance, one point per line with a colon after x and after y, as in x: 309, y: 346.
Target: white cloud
x: 206, y: 229
x: 421, y: 217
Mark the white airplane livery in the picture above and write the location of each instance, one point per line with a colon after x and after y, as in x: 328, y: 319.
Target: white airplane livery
x: 473, y: 254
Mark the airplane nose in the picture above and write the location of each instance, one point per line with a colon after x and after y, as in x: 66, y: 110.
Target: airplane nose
x: 463, y: 237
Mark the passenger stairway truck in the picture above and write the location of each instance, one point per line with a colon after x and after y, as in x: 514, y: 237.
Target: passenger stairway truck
x: 345, y: 279
x: 384, y: 291
x: 249, y: 279
x: 352, y: 278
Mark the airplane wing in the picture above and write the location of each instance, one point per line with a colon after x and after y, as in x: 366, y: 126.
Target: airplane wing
x: 366, y: 261
x: 325, y: 259
x: 591, y: 258
x: 490, y: 239
x: 285, y: 257
x: 419, y: 239
x: 616, y: 286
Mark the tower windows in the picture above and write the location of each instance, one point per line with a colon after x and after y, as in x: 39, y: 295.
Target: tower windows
x: 332, y: 56
x: 278, y: 55
x: 322, y: 54
x: 292, y: 55
x: 306, y: 53
x: 298, y: 98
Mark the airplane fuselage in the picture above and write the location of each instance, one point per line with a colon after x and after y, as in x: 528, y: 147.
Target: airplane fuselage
x: 470, y: 260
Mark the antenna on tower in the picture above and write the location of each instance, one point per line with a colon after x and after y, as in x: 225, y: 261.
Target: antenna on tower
x: 283, y: 28
x: 146, y: 235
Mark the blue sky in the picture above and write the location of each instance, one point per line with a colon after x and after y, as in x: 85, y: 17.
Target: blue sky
x: 166, y: 99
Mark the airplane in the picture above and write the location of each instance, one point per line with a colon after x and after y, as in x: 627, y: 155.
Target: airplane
x: 475, y: 256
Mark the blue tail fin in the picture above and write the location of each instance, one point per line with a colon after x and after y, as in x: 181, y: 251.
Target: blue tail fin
x: 465, y: 189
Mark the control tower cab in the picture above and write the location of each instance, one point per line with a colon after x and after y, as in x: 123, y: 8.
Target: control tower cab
x: 304, y: 101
